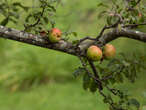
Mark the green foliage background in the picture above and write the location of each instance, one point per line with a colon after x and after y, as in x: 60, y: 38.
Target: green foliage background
x: 33, y: 78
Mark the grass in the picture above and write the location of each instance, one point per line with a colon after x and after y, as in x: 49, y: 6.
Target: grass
x: 54, y: 96
x: 63, y: 95
x: 20, y: 64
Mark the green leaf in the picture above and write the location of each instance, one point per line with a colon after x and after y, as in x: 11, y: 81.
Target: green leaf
x: 20, y: 5
x: 70, y: 33
x: 79, y: 71
x: 133, y: 3
x: 134, y: 102
x: 13, y: 20
x: 5, y: 21
x: 101, y: 14
x: 106, y: 100
x: 86, y: 81
x: 93, y: 86
x: 125, y: 63
x: 75, y: 41
x: 75, y: 34
x: 46, y: 20
x: 112, y: 80
x: 52, y: 8
x: 52, y: 22
x: 102, y: 5
x: 119, y: 78
x: 28, y: 17
x: 108, y: 20
x: 114, y: 2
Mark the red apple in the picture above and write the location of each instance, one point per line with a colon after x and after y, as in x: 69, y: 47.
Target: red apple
x: 109, y: 51
x: 94, y: 53
x: 55, y: 35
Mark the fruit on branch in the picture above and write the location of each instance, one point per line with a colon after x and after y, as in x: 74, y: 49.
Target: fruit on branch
x: 55, y: 35
x: 43, y: 33
x: 94, y: 53
x: 109, y: 51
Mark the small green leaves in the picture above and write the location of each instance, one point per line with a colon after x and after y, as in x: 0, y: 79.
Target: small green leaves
x: 86, y: 81
x: 71, y: 35
x: 129, y: 12
x: 102, y: 13
x: 101, y: 4
x: 4, y: 22
x: 18, y: 4
x: 134, y: 102
x: 79, y: 71
x: 74, y: 33
x: 41, y: 15
x: 67, y: 33
x: 75, y: 41
x: 133, y: 3
x: 93, y: 86
x: 13, y: 14
x: 52, y: 8
x: 112, y: 20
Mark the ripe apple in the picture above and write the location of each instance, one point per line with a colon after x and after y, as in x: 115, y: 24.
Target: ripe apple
x: 55, y: 35
x: 94, y: 53
x: 109, y: 51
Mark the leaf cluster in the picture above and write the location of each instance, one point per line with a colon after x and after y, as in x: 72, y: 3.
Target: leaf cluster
x: 10, y: 11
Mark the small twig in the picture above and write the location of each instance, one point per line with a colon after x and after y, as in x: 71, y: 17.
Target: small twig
x: 93, y: 68
x: 133, y: 25
x: 83, y: 39
x: 107, y: 77
x: 111, y: 74
x: 89, y: 74
x: 114, y: 91
x: 132, y: 7
x: 38, y: 20
x: 109, y: 27
x: 110, y: 103
x: 104, y: 28
x: 95, y: 74
x: 137, y: 3
x: 97, y: 80
x: 85, y: 66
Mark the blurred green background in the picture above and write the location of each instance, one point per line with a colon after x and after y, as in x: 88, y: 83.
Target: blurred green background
x: 33, y: 78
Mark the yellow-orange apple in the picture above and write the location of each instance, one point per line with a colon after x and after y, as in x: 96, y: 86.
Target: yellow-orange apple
x: 94, y: 53
x: 109, y: 51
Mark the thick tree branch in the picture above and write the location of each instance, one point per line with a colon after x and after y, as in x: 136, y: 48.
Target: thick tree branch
x: 68, y: 47
x: 21, y: 36
x: 112, y: 35
x: 132, y: 34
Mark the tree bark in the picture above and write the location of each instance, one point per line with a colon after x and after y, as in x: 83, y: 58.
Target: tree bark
x: 68, y: 47
x: 37, y: 40
x: 128, y: 33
